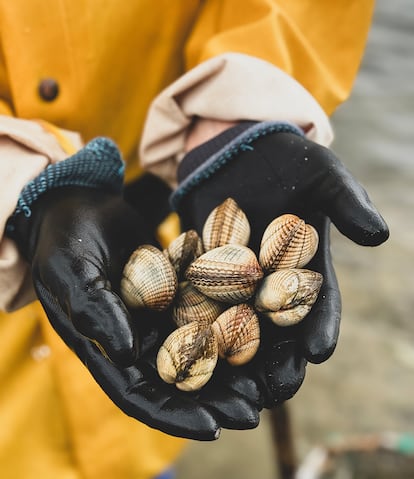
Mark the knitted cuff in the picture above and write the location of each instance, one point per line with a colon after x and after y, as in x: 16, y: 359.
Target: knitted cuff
x: 97, y: 165
x: 202, y: 162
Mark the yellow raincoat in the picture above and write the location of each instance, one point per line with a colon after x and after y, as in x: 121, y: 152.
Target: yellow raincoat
x: 109, y: 59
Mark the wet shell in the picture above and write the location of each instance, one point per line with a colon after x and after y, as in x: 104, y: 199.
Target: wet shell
x: 192, y: 305
x: 238, y: 334
x: 228, y: 273
x: 183, y: 250
x: 226, y: 224
x: 287, y: 295
x: 149, y: 280
x: 288, y: 242
x: 188, y: 357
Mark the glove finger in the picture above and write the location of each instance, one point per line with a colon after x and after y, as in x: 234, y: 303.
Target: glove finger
x: 320, y: 328
x: 94, y: 309
x: 234, y: 398
x: 154, y: 404
x: 346, y: 202
x: 284, y: 371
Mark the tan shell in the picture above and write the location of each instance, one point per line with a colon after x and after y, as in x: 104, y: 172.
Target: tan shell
x: 192, y: 305
x: 238, y: 334
x: 288, y: 242
x: 188, y: 357
x: 226, y: 224
x: 149, y: 280
x: 287, y: 295
x: 183, y: 250
x: 228, y: 273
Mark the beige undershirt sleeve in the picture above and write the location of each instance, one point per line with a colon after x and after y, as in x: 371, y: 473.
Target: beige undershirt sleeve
x: 230, y: 87
x: 26, y: 149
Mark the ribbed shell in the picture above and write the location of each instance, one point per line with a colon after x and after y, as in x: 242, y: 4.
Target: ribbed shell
x: 188, y: 357
x: 238, y: 334
x: 228, y: 273
x: 288, y: 242
x: 183, y: 250
x: 287, y: 295
x: 226, y: 224
x: 149, y: 279
x: 192, y: 305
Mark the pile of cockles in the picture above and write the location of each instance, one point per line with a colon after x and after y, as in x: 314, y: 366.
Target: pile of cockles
x: 215, y: 286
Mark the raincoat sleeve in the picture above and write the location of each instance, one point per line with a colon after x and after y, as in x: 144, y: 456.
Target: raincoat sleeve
x: 26, y: 148
x: 259, y: 60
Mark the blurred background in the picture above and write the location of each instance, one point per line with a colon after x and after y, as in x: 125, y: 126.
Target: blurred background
x: 367, y: 387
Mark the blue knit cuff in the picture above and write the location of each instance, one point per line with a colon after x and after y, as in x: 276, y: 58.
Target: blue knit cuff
x: 97, y: 165
x: 189, y: 178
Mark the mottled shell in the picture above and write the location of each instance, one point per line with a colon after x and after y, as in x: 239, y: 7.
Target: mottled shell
x: 287, y: 295
x: 226, y: 224
x: 238, y: 334
x: 192, y: 305
x: 228, y: 273
x: 183, y: 250
x: 149, y: 280
x: 188, y: 357
x: 288, y: 242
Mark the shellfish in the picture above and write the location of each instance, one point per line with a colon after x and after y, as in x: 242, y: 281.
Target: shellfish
x: 188, y: 357
x: 238, y: 334
x: 192, y: 305
x: 226, y: 224
x: 288, y: 242
x: 149, y: 279
x: 183, y: 250
x: 229, y: 273
x: 287, y: 295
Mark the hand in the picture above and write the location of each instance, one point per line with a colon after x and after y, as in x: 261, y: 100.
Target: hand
x: 276, y: 174
x: 78, y: 240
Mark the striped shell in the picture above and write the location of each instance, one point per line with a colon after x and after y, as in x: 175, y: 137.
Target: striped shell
x: 228, y: 273
x: 188, y: 357
x: 183, y: 250
x: 192, y: 305
x: 287, y: 295
x: 238, y: 334
x: 288, y: 242
x: 226, y: 224
x: 149, y: 280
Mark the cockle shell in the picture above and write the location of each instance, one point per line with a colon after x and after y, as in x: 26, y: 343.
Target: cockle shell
x: 188, y: 357
x: 288, y: 242
x: 183, y: 250
x: 229, y: 273
x: 238, y: 334
x: 226, y: 224
x: 287, y: 295
x: 192, y: 305
x: 149, y: 279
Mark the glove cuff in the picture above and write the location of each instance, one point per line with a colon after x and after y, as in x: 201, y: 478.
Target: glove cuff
x: 97, y: 165
x: 202, y: 162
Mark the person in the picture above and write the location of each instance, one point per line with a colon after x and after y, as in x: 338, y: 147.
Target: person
x: 235, y: 96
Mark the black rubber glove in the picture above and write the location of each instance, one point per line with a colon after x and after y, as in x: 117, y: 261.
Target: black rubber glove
x: 269, y: 174
x: 78, y: 240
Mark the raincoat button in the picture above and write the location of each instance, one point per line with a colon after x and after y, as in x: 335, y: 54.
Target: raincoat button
x: 48, y: 89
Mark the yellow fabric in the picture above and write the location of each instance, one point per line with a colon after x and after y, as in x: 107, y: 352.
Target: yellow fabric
x: 110, y: 59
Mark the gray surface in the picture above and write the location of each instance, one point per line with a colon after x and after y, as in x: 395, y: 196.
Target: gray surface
x: 368, y: 384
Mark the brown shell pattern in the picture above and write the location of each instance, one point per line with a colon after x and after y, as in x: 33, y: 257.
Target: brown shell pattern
x: 286, y: 296
x: 149, y: 279
x: 192, y: 305
x: 226, y: 224
x: 228, y: 273
x: 183, y: 250
x: 238, y: 334
x: 288, y: 242
x: 188, y: 357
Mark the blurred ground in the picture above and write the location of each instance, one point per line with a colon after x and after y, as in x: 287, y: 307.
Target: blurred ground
x: 368, y: 384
